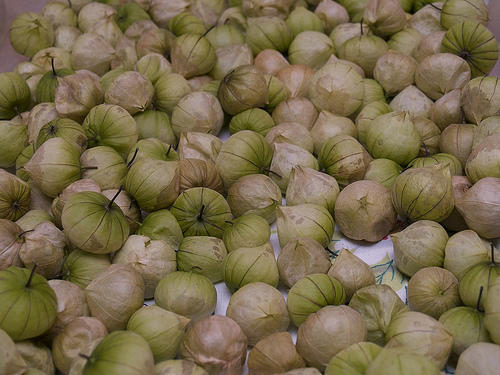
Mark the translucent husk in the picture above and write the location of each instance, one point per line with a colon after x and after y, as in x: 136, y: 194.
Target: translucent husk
x: 310, y: 48
x: 291, y: 133
x: 203, y: 255
x: 186, y: 293
x: 352, y: 272
x: 400, y: 360
x: 331, y: 14
x: 169, y: 90
x: 14, y: 140
x: 250, y: 264
x: 266, y: 315
x: 367, y: 205
x: 429, y: 45
x: 37, y: 356
x: 126, y: 285
x: 385, y: 17
x: 215, y: 343
x: 162, y: 330
x: 433, y: 291
x: 412, y: 100
x: 154, y: 259
x: 228, y: 58
x: 246, y: 231
x: 363, y: 50
x: 304, y: 220
x: 484, y: 160
x: 199, y: 146
x: 131, y: 90
x: 429, y: 135
x: 269, y: 32
x: 297, y: 110
x: 199, y: 173
x: 12, y: 363
x: 30, y: 32
x: 479, y: 358
x: 378, y: 305
x: 162, y: 225
x: 479, y: 207
x: 344, y: 158
x: 45, y: 246
x: 105, y: 166
x: 353, y: 359
x: 327, y: 125
x: 421, y: 334
x: 491, y: 316
x: 184, y: 23
x: 15, y: 197
x: 367, y: 115
x: 383, y: 171
x: 431, y: 196
x: 395, y: 71
x: 81, y: 267
x: 479, y: 99
x: 92, y: 52
x: 151, y: 148
x: 91, y: 13
x: 74, y: 338
x: 109, y: 29
x: 327, y: 332
x: 270, y: 61
x: 65, y: 36
x: 192, y: 55
x: 427, y: 20
x: 161, y: 11
x: 296, y: 79
x: 345, y: 31
x: 421, y: 244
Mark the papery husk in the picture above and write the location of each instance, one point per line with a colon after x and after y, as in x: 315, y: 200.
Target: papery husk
x: 276, y: 353
x: 367, y: 115
x: 162, y: 330
x: 254, y: 194
x: 345, y: 31
x: 14, y: 141
x: 107, y: 28
x: 433, y: 291
x: 484, y: 160
x: 128, y: 206
x: 291, y: 133
x: 367, y: 205
x: 385, y: 17
x: 161, y: 11
x: 45, y: 246
x: 30, y: 32
x: 301, y: 19
x: 304, y: 220
x: 260, y: 8
x: 155, y: 40
x: 432, y: 198
x: 372, y: 45
x: 438, y: 74
x: 395, y: 71
x: 307, y: 185
x: 131, y: 90
x: 81, y: 267
x: 327, y: 332
x: 340, y: 81
x: 126, y: 285
x: 169, y: 90
x: 155, y: 124
x: 310, y: 48
x: 10, y: 243
x: 246, y: 265
x: 186, y: 293
x: 479, y: 358
x: 153, y: 259
x: 270, y: 62
x: 178, y: 366
x: 92, y: 52
x: 421, y: 334
x: 162, y: 225
x: 249, y: 230
x: 72, y: 340
x: 186, y: 22
x: 491, y: 311
x: 479, y: 207
x: 15, y: 197
x: 54, y: 166
x: 215, y: 343
x: 421, y: 244
x: 192, y: 55
x: 478, y: 99
x: 296, y: 79
x: 458, y: 11
x: 412, y: 100
x: 233, y: 16
x: 199, y: 146
x: 266, y: 315
x: 105, y: 166
x: 153, y: 66
x: 430, y: 43
x: 25, y: 155
x: 37, y: 355
x: 426, y: 20
x: 429, y: 135
x: 378, y: 305
x: 12, y: 361
x: 297, y: 110
x: 354, y: 359
x: 268, y: 32
x: 68, y: 129
x: 203, y: 255
x: 311, y: 293
x: 327, y: 125
x: 198, y: 173
x: 447, y: 110
x: 405, y: 41
x: 344, y: 158
x: 91, y: 13
x: 383, y: 171
x: 446, y: 159
x: 255, y: 119
x: 331, y: 14
x: 400, y: 360
x: 352, y: 272
x: 456, y: 140
x: 154, y: 184
x: 230, y: 57
x: 38, y: 116
x: 77, y: 94
x: 125, y: 54
x: 455, y: 221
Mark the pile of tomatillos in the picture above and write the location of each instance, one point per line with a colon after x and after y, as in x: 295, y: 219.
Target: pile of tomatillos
x: 147, y: 146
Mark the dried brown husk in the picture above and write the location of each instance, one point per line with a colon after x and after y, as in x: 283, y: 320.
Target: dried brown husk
x: 297, y: 110
x: 291, y: 132
x: 199, y: 146
x: 433, y: 291
x: 15, y: 196
x: 265, y: 315
x: 456, y: 139
x: 421, y: 334
x: 74, y: 338
x: 274, y: 354
x: 327, y: 332
x: 45, y: 246
x: 429, y: 45
x: 10, y: 243
x: 162, y: 329
x: 484, y: 160
x: 395, y: 71
x: 296, y: 77
x: 254, y: 194
x: 479, y: 358
x: 480, y: 207
x: 71, y: 304
x: 270, y: 62
x: 152, y: 258
x: 126, y: 285
x: 352, y: 272
x: 378, y: 305
x: 364, y: 211
x: 421, y: 244
x: 307, y: 185
x: 327, y: 125
x: 215, y: 343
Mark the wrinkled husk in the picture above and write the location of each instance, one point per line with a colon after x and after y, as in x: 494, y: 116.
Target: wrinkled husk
x: 479, y: 100
x: 38, y: 357
x: 364, y: 211
x: 199, y: 146
x: 327, y: 125
x: 228, y: 58
x: 395, y: 71
x: 162, y: 225
x: 310, y: 48
x: 215, y: 343
x: 429, y: 45
x: 130, y: 90
x: 270, y: 61
x: 456, y: 140
x: 296, y: 79
x: 367, y: 115
x: 352, y: 272
x: 385, y: 17
x: 260, y: 8
x: 484, y: 160
x: 169, y: 90
x: 268, y: 32
x: 126, y: 285
x: 291, y: 132
x: 12, y: 361
x: 10, y: 243
x: 296, y: 110
x: 363, y: 50
x: 479, y: 358
x: 92, y: 52
x: 265, y: 315
x: 178, y: 366
x: 421, y: 244
x: 412, y: 100
x: 433, y: 291
x: 105, y: 166
x: 30, y: 32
